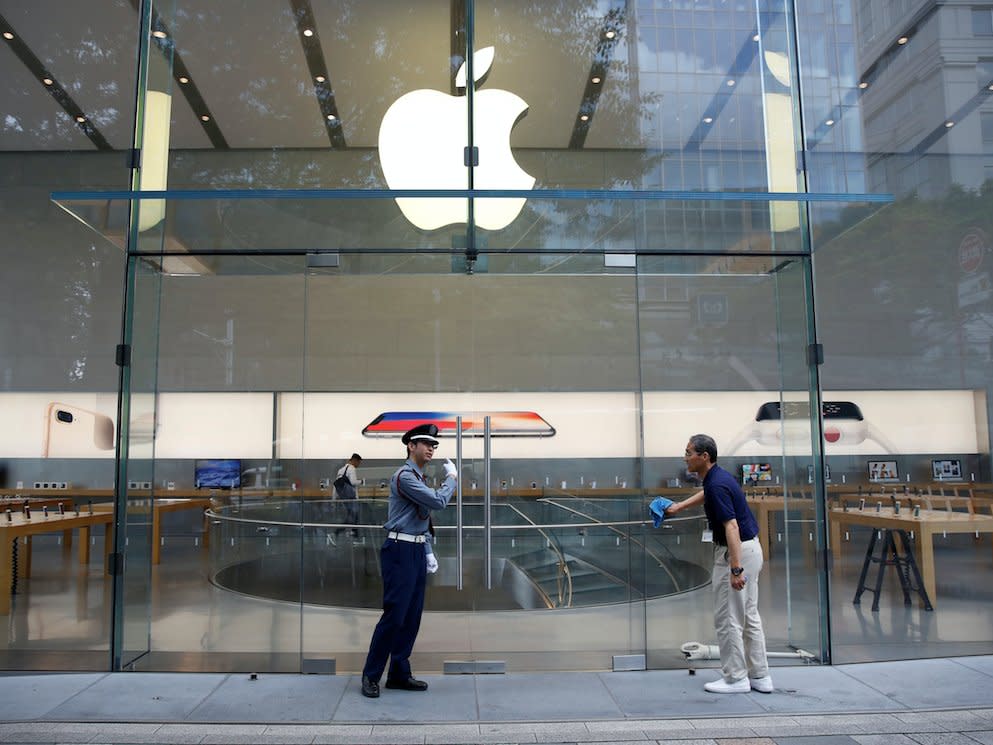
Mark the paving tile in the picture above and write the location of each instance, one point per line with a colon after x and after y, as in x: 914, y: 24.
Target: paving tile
x: 450, y: 698
x: 984, y: 736
x: 982, y: 664
x: 671, y: 692
x: 821, y: 690
x: 512, y: 729
x: 639, y: 724
x: 35, y: 736
x: 24, y: 697
x: 157, y: 697
x: 271, y: 698
x: 924, y: 684
x: 545, y: 697
x: 817, y: 740
x: 941, y: 738
x: 688, y: 742
x: 949, y: 720
x: 893, y: 739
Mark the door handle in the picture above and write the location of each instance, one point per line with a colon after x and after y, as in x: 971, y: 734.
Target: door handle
x: 458, y: 503
x: 487, y: 505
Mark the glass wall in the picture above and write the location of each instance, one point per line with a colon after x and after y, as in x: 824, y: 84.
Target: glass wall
x: 607, y: 225
x: 903, y: 305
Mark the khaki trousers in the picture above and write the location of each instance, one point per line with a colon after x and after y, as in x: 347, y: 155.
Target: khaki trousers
x: 736, y: 615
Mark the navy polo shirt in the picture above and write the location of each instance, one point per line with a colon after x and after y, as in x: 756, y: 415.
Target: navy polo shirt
x: 723, y: 500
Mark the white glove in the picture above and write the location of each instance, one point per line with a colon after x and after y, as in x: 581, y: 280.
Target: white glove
x: 450, y: 469
x: 432, y: 564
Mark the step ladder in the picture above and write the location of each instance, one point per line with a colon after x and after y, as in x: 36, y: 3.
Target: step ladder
x: 891, y: 556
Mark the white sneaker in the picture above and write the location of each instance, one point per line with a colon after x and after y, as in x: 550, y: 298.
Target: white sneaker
x: 721, y: 686
x: 762, y: 685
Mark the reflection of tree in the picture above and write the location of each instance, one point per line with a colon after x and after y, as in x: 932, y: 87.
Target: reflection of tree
x: 890, y: 285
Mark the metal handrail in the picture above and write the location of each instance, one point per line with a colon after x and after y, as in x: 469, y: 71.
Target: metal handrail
x: 631, y: 538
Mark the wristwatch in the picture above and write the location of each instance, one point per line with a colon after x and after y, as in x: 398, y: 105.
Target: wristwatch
x: 736, y: 571
x: 844, y: 424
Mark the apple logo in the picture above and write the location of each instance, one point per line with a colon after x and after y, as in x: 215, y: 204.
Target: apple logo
x: 422, y: 141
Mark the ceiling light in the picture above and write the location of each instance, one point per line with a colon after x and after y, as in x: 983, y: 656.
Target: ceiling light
x: 902, y: 40
x: 80, y: 119
x: 595, y: 79
x: 308, y: 32
x: 205, y: 118
x: 755, y: 38
x: 7, y: 35
x: 863, y: 85
x: 610, y: 34
x: 990, y: 88
x: 829, y: 122
x: 331, y: 117
x: 47, y: 81
x: 708, y: 119
x: 320, y: 78
x: 159, y: 34
x: 730, y: 84
x: 584, y: 118
x: 949, y: 124
x: 183, y: 79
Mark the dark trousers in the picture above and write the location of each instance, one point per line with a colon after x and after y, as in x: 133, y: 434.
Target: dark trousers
x: 404, y: 573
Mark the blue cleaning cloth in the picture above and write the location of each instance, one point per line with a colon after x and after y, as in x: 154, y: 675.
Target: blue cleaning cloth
x: 657, y: 509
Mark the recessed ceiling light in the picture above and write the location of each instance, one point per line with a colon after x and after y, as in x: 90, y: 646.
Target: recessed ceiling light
x: 331, y: 117
x: 47, y: 81
x: 610, y: 34
x: 708, y: 119
x: 949, y: 124
x: 829, y: 122
x: 320, y: 78
x: 584, y: 118
x: 595, y: 79
x: 755, y: 38
x: 902, y: 40
x: 308, y: 32
x: 7, y: 35
x: 863, y: 85
x: 205, y: 118
x: 730, y: 84
x: 80, y: 119
x: 183, y: 79
x: 159, y: 34
x: 990, y: 88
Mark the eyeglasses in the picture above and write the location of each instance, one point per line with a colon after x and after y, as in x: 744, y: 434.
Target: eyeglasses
x: 431, y: 445
x: 691, y: 452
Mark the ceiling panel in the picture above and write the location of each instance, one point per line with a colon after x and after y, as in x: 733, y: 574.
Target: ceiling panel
x: 249, y: 65
x: 90, y: 49
x: 30, y: 119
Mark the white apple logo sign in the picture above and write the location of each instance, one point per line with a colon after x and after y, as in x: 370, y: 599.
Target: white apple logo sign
x: 422, y: 140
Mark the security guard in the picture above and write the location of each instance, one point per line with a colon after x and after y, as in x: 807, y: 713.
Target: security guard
x: 404, y: 563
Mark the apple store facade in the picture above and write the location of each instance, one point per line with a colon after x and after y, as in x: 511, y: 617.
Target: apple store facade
x: 242, y: 241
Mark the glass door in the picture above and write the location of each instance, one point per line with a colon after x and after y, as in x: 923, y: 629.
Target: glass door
x: 737, y: 369
x: 541, y: 347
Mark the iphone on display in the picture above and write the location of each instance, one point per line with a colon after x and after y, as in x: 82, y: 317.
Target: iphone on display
x: 71, y: 431
x: 502, y: 423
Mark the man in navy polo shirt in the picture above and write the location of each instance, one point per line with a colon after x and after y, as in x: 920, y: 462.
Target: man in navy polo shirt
x: 735, y: 577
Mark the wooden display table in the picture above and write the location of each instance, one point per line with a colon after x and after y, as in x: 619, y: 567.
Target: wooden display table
x: 21, y: 527
x: 925, y: 526
x: 160, y: 507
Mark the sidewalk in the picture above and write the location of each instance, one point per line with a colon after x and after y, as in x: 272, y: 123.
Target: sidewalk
x: 945, y: 701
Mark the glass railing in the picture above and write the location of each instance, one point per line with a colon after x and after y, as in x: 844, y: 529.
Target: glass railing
x: 546, y: 554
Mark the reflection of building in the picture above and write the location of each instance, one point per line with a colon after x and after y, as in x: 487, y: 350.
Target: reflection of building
x: 646, y: 287
x: 910, y: 52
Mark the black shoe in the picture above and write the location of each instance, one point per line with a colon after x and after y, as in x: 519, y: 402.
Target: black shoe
x: 370, y: 688
x: 410, y: 684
